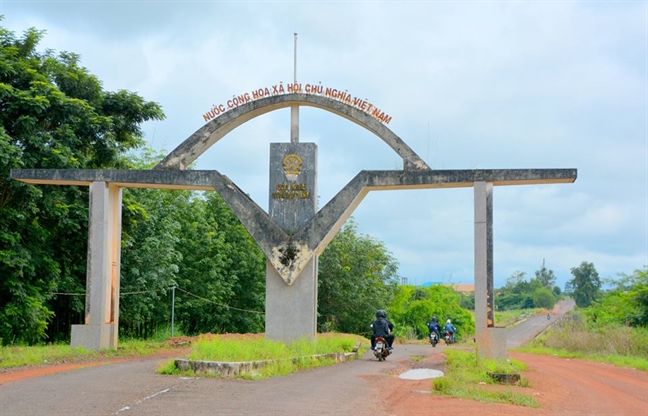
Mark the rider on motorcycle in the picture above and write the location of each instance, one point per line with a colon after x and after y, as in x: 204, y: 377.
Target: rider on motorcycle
x: 434, y: 326
x: 451, y: 329
x: 382, y: 328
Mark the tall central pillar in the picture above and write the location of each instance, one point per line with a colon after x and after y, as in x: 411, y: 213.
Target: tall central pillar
x: 291, y: 310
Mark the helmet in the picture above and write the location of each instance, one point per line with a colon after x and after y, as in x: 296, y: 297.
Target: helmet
x: 381, y: 314
x: 449, y: 321
x: 434, y: 319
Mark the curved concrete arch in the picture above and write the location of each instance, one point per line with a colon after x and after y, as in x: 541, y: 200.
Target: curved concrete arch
x: 194, y: 146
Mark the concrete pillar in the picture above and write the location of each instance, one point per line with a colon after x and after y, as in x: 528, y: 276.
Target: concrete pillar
x: 102, y: 279
x: 291, y: 311
x: 491, y: 341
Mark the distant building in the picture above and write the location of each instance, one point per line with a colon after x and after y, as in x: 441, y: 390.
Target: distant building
x: 463, y: 287
x: 459, y: 287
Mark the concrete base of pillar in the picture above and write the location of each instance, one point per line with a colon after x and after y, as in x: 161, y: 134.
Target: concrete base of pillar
x: 93, y: 337
x: 491, y: 344
x: 291, y: 311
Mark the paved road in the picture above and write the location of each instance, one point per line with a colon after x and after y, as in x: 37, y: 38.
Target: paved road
x: 527, y: 330
x: 133, y: 388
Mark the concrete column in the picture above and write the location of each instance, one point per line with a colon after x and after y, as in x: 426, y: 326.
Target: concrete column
x: 491, y: 341
x: 291, y: 311
x: 115, y: 202
x: 102, y: 277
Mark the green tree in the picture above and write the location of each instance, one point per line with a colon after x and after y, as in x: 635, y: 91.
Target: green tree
x: 193, y: 241
x: 413, y: 307
x: 543, y: 298
x: 545, y: 276
x: 625, y: 304
x: 585, y: 285
x: 357, y: 275
x: 516, y: 294
x: 53, y: 114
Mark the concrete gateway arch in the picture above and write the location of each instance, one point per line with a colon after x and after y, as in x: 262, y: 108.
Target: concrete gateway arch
x: 292, y: 233
x: 183, y: 155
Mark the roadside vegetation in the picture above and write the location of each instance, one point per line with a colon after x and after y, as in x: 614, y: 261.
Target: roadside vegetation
x: 20, y: 356
x: 284, y: 358
x: 466, y: 377
x: 609, y: 326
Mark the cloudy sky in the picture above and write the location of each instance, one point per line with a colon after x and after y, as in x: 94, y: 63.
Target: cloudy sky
x: 468, y: 84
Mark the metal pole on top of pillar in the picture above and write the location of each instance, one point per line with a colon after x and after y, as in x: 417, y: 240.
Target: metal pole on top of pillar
x: 294, y: 110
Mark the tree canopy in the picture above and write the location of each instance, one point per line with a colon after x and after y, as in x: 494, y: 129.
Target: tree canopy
x: 585, y: 284
x: 626, y: 303
x: 522, y: 293
x: 357, y: 275
x: 413, y: 307
x: 53, y: 114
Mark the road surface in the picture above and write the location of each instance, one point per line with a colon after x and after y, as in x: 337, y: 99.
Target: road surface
x: 362, y: 387
x: 525, y: 331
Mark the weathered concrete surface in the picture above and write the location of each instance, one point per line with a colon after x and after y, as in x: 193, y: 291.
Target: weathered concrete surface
x: 317, y: 232
x: 291, y: 309
x: 491, y: 342
x: 292, y: 195
x: 189, y: 150
x: 157, y: 179
x: 483, y: 200
x: 291, y: 312
x: 102, y: 276
x: 239, y: 368
x: 383, y: 179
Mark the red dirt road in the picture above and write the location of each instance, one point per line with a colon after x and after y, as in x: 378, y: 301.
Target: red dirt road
x: 561, y: 387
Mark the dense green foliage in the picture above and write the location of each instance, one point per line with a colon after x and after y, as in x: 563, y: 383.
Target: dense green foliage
x: 585, y: 286
x: 520, y: 293
x: 53, y: 114
x: 614, y: 328
x: 626, y: 303
x: 357, y: 275
x: 414, y: 306
x: 191, y: 241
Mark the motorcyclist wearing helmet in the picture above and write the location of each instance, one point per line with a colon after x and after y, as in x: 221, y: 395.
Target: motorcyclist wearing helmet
x: 382, y: 328
x: 434, y: 326
x: 450, y: 328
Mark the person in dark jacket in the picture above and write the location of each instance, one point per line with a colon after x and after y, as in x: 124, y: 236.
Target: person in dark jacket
x: 435, y: 327
x: 382, y: 328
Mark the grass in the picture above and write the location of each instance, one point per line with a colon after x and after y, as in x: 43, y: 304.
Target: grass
x: 244, y: 348
x: 287, y: 358
x: 572, y: 338
x: 466, y: 375
x: 509, y: 317
x: 19, y: 356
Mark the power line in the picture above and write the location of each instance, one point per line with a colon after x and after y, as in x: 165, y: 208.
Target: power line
x: 153, y: 291
x: 218, y: 304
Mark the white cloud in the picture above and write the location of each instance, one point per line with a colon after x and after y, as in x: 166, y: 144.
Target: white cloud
x: 468, y: 84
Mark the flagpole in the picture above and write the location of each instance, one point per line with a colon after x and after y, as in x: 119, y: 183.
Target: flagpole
x: 294, y: 110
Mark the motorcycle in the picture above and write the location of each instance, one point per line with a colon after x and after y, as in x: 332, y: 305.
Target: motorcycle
x: 380, y: 350
x: 434, y: 340
x: 448, y: 338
